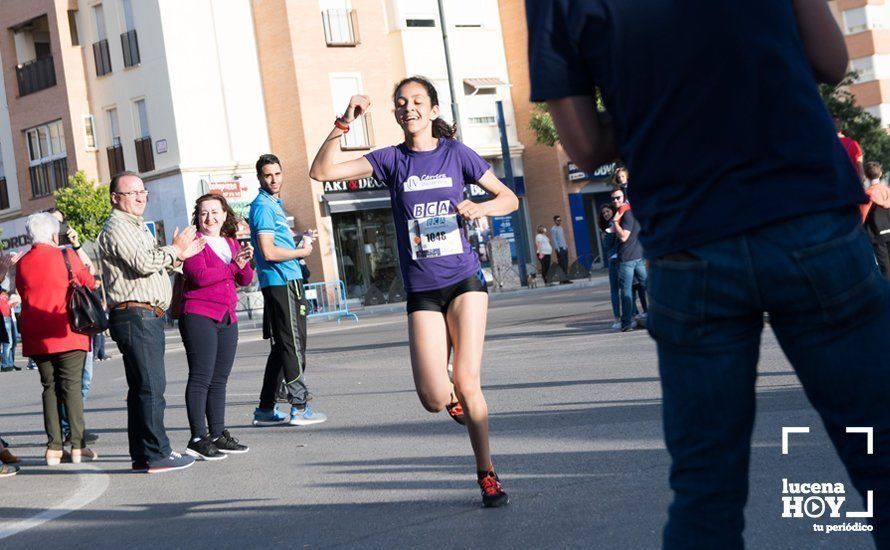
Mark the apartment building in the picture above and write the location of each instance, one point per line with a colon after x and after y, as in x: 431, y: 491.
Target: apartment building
x: 316, y: 54
x: 168, y: 89
x: 866, y: 28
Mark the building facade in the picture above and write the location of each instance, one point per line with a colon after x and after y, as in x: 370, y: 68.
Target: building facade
x: 866, y: 28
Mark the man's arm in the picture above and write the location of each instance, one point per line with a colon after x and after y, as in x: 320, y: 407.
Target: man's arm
x: 273, y: 253
x: 822, y: 40
x: 622, y: 233
x: 586, y: 134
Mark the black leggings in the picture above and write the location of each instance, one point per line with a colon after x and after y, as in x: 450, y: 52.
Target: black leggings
x: 210, y: 351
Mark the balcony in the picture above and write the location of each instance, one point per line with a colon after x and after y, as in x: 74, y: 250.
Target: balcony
x: 130, y: 46
x: 48, y: 177
x: 360, y: 136
x: 340, y: 28
x: 36, y: 75
x: 115, y: 160
x: 4, y: 195
x: 102, y: 57
x: 145, y: 159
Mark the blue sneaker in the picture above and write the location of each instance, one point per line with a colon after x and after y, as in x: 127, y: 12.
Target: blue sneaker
x: 305, y: 416
x: 170, y: 464
x: 268, y: 417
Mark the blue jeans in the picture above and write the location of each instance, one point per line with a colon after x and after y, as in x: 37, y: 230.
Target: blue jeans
x: 139, y: 335
x: 830, y: 309
x: 7, y: 353
x: 626, y: 273
x: 613, y: 287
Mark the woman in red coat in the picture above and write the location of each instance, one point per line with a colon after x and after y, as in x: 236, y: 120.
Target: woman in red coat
x: 42, y: 281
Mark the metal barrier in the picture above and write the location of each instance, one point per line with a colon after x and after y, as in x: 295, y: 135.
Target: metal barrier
x: 328, y: 299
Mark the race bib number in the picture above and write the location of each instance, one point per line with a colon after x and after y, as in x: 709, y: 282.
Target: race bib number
x: 434, y: 237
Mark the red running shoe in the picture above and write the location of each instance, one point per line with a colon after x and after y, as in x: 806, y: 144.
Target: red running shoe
x: 493, y: 494
x: 456, y: 411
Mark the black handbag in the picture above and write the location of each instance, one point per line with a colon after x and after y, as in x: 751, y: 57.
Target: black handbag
x: 85, y: 312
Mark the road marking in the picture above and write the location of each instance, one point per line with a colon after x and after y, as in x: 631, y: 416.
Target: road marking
x: 92, y: 486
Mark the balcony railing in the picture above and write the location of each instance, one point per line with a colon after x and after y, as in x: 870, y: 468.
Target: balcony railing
x: 340, y: 27
x: 36, y: 75
x: 360, y: 136
x: 145, y: 159
x: 4, y: 195
x: 48, y: 177
x: 115, y: 160
x: 102, y: 57
x: 130, y: 45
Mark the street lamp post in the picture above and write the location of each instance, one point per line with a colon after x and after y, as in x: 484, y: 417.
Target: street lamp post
x: 455, y: 111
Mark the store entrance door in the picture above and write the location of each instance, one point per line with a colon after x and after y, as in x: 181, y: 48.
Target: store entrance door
x: 366, y: 251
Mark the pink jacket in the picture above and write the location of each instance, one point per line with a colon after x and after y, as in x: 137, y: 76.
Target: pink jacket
x: 210, y: 284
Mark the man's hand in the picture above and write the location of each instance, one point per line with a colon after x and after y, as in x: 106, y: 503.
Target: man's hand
x: 305, y: 250
x: 182, y: 240
x: 358, y: 105
x: 194, y: 247
x: 470, y: 211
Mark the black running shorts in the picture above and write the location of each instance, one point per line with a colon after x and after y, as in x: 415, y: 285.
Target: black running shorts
x: 439, y: 299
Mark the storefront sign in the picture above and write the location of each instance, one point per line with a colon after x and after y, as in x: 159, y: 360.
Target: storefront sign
x: 352, y: 186
x: 576, y: 174
x: 236, y: 194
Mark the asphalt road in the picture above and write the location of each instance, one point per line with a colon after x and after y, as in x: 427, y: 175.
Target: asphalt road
x: 576, y: 432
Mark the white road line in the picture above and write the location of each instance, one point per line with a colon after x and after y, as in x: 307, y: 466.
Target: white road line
x: 92, y: 486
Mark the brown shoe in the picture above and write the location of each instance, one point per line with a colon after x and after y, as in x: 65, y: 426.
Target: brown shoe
x: 79, y: 455
x: 7, y: 457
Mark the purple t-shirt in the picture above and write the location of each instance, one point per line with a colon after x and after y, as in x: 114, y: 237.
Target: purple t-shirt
x: 425, y: 187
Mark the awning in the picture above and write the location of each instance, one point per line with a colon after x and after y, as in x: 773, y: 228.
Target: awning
x: 488, y: 83
x: 351, y: 202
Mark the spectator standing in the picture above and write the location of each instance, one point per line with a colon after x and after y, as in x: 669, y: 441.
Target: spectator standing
x: 611, y: 244
x: 543, y: 249
x: 284, y: 309
x: 209, y: 325
x: 720, y: 255
x: 876, y: 215
x: 630, y: 254
x: 138, y: 289
x: 560, y: 246
x: 42, y: 279
x: 8, y: 336
x: 8, y: 461
x: 853, y: 149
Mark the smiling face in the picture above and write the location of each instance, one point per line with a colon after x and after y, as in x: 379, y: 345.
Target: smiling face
x: 414, y: 110
x: 607, y: 213
x: 211, y: 217
x: 130, y: 196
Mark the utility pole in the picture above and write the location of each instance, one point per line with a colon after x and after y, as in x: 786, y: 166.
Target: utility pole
x: 455, y: 111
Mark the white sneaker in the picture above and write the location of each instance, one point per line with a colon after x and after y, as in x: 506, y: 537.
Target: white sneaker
x: 616, y: 325
x: 642, y: 316
x: 305, y: 417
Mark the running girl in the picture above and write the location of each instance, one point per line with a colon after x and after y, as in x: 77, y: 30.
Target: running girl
x: 447, y: 297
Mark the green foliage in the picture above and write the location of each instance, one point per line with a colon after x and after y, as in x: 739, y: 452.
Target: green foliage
x: 84, y: 205
x: 856, y: 123
x: 541, y: 123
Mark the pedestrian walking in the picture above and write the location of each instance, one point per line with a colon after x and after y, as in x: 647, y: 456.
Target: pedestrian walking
x: 561, y: 247
x: 138, y: 290
x: 725, y: 244
x: 208, y: 324
x: 543, y: 250
x: 277, y: 258
x: 447, y: 294
x: 632, y: 268
x: 42, y: 280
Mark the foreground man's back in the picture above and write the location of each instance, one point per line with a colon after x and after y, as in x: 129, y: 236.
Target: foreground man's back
x: 746, y: 201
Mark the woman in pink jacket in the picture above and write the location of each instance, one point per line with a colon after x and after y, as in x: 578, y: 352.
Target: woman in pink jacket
x: 209, y: 325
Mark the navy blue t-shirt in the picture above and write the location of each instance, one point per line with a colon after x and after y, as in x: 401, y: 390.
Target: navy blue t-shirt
x: 715, y: 108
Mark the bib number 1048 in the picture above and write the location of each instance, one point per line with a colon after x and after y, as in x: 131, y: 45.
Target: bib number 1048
x: 434, y: 237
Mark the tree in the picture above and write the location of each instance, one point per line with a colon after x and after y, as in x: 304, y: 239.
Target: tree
x: 541, y: 123
x: 856, y: 122
x: 84, y: 205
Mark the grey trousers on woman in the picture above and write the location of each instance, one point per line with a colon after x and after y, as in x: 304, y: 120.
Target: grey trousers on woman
x: 61, y: 375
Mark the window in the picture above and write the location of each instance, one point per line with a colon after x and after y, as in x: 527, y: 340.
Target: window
x: 129, y: 42
x: 485, y: 119
x: 864, y: 67
x: 47, y: 158
x: 867, y: 17
x: 101, y: 55
x: 360, y: 136
x: 115, y: 151
x: 420, y: 23
x: 144, y: 155
x: 340, y: 27
x: 72, y: 27
x: 89, y: 124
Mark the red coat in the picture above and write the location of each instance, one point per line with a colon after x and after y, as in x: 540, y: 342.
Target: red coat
x: 42, y: 281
